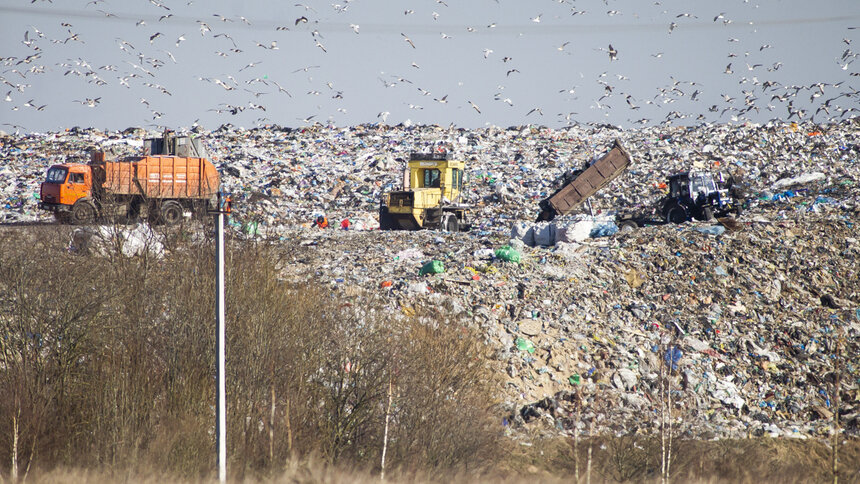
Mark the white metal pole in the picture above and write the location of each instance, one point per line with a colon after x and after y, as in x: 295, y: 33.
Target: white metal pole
x: 385, y: 433
x: 222, y: 400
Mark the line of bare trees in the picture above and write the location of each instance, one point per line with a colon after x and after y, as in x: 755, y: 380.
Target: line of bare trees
x: 108, y: 361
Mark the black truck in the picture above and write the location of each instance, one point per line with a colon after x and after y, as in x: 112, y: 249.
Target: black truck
x: 692, y: 196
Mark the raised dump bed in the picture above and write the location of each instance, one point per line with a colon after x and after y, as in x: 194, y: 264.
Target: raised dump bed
x: 588, y: 182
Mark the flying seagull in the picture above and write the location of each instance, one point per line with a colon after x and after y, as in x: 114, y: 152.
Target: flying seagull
x: 86, y: 102
x: 281, y: 89
x: 251, y: 64
x: 305, y: 7
x: 305, y: 69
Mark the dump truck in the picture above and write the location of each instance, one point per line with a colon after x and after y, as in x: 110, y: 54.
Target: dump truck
x: 578, y: 186
x: 431, y: 197
x: 172, y: 177
x: 692, y: 196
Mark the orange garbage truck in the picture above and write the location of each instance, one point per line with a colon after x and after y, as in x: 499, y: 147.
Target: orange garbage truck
x: 171, y: 178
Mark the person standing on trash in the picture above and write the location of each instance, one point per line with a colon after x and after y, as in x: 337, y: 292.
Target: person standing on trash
x: 321, y: 222
x: 344, y: 224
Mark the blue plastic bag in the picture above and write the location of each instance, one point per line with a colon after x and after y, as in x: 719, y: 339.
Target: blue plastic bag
x: 673, y: 356
x: 712, y: 230
x: 603, y: 229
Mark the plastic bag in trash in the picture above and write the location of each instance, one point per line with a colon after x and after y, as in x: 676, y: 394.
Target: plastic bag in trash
x: 603, y: 229
x: 432, y: 267
x: 673, y: 356
x: 508, y: 254
x: 574, y: 232
x: 525, y: 345
x: 712, y: 230
x: 251, y: 228
x: 544, y: 234
x: 523, y: 231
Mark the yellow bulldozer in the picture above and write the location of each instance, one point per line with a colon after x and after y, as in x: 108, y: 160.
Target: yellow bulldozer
x: 431, y: 197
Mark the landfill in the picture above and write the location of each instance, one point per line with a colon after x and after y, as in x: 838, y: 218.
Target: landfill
x: 752, y: 321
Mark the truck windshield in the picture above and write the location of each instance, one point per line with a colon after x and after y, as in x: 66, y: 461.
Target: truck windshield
x: 56, y: 175
x: 458, y: 178
x: 703, y: 184
x: 431, y: 178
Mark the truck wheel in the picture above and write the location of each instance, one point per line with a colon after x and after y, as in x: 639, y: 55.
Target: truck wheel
x: 545, y: 215
x: 133, y: 211
x: 83, y: 213
x: 627, y: 226
x: 452, y: 224
x: 171, y: 212
x: 386, y: 221
x: 707, y: 214
x: 676, y: 214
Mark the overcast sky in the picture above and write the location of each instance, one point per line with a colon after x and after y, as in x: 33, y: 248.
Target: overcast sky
x: 152, y: 63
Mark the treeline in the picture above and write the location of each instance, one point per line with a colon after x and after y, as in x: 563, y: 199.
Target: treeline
x: 108, y: 361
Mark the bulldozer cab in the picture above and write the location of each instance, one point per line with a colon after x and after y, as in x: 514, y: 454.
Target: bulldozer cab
x: 436, y: 171
x: 430, y: 198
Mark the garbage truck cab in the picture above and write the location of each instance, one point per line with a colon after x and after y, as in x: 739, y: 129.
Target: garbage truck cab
x: 67, y: 183
x: 430, y: 198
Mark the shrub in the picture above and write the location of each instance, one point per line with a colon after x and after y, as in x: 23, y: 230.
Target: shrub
x: 108, y: 360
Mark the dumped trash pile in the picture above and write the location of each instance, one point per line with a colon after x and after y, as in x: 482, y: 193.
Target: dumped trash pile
x: 282, y: 177
x: 747, y: 316
x: 747, y: 320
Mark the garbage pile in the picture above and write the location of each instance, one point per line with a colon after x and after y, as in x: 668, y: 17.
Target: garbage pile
x: 282, y: 177
x: 744, y: 324
x: 749, y: 321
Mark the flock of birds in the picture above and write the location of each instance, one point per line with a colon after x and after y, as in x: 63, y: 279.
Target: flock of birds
x: 140, y: 72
